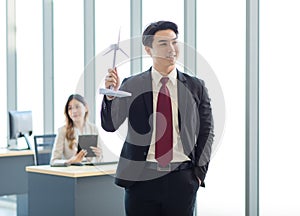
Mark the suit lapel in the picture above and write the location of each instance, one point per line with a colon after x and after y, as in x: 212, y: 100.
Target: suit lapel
x: 182, y: 91
x: 182, y: 96
x: 147, y: 91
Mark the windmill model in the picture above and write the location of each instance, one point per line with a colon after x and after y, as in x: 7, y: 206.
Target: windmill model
x: 111, y: 91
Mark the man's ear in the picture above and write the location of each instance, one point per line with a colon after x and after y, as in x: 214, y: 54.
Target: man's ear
x: 148, y: 50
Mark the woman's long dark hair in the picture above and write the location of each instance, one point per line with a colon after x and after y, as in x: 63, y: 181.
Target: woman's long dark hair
x: 70, y: 132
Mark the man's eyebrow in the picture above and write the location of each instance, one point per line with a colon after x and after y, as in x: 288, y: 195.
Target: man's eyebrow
x: 165, y: 40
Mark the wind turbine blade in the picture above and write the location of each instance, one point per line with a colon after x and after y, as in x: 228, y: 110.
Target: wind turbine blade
x: 119, y: 36
x: 108, y: 51
x: 124, y: 52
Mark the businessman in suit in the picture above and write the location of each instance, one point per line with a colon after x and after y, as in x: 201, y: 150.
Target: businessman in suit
x: 167, y: 149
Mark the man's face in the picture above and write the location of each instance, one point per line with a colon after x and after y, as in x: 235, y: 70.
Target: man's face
x: 164, y: 51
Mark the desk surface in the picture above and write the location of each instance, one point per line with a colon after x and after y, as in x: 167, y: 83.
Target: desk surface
x: 74, y: 171
x: 12, y: 153
x: 95, y: 193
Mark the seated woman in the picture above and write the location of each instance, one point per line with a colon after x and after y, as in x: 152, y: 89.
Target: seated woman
x: 65, y: 149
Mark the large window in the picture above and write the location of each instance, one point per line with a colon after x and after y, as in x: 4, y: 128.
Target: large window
x: 111, y: 18
x: 279, y: 108
x: 29, y: 43
x: 221, y: 41
x: 68, y: 53
x: 3, y: 112
x: 155, y: 10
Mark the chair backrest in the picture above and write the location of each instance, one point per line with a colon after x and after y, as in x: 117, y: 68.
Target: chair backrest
x: 43, y: 148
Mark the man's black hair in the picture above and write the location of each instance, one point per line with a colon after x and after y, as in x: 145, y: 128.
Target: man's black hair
x: 152, y: 28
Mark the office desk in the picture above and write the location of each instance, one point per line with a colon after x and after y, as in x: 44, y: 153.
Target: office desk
x: 14, y: 177
x: 74, y: 190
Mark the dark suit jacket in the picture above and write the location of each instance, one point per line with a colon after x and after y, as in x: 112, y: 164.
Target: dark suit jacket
x: 194, y: 117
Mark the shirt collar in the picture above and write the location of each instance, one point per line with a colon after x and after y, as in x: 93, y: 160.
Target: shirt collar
x: 156, y: 76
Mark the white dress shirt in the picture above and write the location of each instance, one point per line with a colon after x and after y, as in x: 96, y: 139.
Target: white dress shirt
x: 178, y: 154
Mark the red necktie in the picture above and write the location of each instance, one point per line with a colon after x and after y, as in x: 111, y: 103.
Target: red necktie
x: 164, y: 128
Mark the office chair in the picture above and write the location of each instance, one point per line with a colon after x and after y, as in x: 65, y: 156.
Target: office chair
x: 43, y: 148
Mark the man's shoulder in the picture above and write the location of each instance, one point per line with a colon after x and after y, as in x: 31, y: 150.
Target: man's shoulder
x: 138, y: 78
x: 190, y: 79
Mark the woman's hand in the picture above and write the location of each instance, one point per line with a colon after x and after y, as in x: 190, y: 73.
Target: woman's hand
x: 97, y: 151
x: 78, y: 157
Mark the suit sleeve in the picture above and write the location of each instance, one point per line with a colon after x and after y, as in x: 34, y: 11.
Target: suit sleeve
x: 106, y: 119
x: 205, y: 135
x: 114, y: 112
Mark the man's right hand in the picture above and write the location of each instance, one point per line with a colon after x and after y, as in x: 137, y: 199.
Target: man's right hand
x: 112, y: 79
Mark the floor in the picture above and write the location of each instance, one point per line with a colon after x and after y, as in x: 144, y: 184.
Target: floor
x: 8, y: 206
